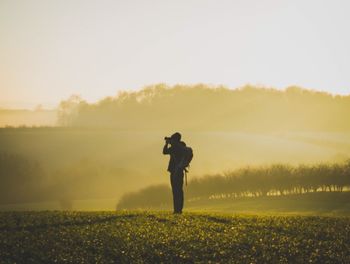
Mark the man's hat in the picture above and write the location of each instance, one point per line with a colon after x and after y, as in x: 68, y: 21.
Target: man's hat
x: 176, y: 136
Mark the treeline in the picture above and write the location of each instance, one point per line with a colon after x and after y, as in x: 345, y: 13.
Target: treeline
x: 248, y: 108
x: 278, y: 179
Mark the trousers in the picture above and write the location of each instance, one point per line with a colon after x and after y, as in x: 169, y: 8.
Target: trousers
x: 177, y: 180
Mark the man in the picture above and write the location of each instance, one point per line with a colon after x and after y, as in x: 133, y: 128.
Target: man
x: 176, y: 152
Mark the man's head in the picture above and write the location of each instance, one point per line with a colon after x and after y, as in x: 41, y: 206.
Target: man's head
x: 175, y: 138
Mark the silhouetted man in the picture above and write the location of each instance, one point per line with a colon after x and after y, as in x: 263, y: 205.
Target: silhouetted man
x: 176, y: 152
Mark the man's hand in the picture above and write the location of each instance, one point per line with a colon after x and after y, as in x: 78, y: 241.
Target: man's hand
x: 166, y: 147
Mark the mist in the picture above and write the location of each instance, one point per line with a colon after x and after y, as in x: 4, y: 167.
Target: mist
x: 98, y: 152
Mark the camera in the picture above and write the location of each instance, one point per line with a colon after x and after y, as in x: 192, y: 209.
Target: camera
x: 167, y: 139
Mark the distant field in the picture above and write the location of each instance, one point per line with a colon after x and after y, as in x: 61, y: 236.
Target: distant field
x: 149, y: 237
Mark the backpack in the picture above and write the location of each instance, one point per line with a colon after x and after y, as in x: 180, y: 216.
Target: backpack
x: 186, y: 160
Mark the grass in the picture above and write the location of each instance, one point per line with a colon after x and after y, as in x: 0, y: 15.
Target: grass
x: 155, y: 237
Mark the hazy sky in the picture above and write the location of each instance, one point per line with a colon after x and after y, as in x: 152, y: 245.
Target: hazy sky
x: 52, y: 49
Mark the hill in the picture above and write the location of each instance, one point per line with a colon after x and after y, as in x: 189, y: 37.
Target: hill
x: 49, y: 164
x: 206, y: 108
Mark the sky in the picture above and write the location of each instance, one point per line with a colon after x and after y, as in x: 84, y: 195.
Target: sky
x: 51, y: 49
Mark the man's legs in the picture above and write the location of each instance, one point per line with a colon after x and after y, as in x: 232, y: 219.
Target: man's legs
x: 178, y: 195
x: 173, y: 188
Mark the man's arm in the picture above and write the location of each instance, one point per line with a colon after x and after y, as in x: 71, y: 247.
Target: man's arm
x: 166, y: 149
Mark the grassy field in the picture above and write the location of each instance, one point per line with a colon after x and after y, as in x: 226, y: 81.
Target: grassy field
x: 154, y: 237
